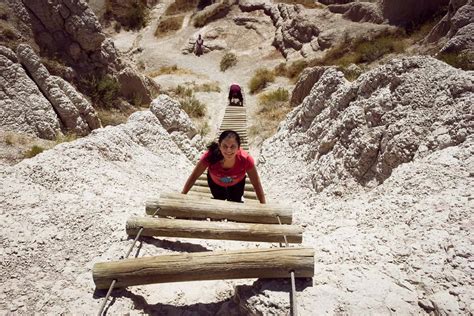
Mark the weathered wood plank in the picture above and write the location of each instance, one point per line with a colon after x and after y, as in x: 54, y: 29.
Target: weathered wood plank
x: 163, y: 227
x: 239, y: 264
x: 188, y: 206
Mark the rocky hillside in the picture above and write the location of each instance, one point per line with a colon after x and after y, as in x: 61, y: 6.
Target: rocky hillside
x: 391, y: 157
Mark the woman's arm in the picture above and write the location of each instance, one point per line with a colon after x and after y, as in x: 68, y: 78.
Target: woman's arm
x: 198, y: 170
x: 255, y: 180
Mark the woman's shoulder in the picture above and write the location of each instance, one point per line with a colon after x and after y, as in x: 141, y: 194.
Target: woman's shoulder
x: 244, y: 154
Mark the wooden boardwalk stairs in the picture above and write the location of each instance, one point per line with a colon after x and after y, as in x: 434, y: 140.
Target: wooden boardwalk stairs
x: 196, y: 215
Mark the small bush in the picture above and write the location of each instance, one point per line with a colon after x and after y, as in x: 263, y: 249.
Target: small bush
x: 8, y: 32
x: 193, y: 107
x: 227, y: 61
x: 102, y: 90
x: 9, y: 139
x: 137, y: 16
x: 167, y: 25
x: 35, y: 150
x: 280, y: 70
x: 181, y: 6
x: 463, y: 61
x: 260, y: 80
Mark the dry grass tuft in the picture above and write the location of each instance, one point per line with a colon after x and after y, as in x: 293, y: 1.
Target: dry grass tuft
x: 33, y: 151
x: 189, y: 103
x: 207, y: 87
x: 271, y: 110
x: 169, y: 70
x: 260, y: 80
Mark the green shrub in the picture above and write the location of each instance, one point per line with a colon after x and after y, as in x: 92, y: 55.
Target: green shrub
x: 193, y: 107
x: 102, y: 90
x: 167, y: 25
x: 295, y: 68
x: 227, y: 61
x: 280, y: 70
x: 137, y: 16
x: 181, y: 6
x: 260, y: 80
x: 463, y: 61
x: 35, y: 150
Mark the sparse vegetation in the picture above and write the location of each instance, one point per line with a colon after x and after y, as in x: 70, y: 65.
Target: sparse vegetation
x: 204, y: 129
x: 228, y: 60
x: 33, y: 151
x: 9, y: 139
x: 102, y: 90
x: 211, y: 13
x: 193, y: 106
x: 311, y: 4
x: 181, y: 6
x: 65, y: 138
x: 292, y: 71
x: 167, y: 25
x: 189, y: 103
x: 7, y: 32
x: 133, y: 16
x: 168, y: 70
x: 362, y: 50
x: 114, y: 117
x: 463, y: 61
x: 272, y: 109
x: 207, y: 87
x: 260, y: 80
x: 55, y: 66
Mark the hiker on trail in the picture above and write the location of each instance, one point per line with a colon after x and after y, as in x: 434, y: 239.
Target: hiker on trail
x: 235, y: 92
x: 227, y: 166
x: 198, y: 46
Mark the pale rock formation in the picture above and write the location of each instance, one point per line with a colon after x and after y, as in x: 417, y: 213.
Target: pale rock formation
x: 328, y: 2
x: 179, y: 125
x: 69, y: 29
x: 359, y: 11
x: 305, y: 83
x: 455, y: 30
x: 172, y: 118
x: 23, y: 108
x: 74, y: 111
x: 359, y: 132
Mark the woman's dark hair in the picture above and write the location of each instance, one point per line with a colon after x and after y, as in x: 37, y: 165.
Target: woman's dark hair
x: 215, y: 154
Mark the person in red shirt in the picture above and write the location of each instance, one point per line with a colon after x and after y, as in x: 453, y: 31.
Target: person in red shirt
x: 227, y: 165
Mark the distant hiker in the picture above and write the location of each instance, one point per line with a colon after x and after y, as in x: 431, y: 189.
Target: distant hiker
x: 235, y: 92
x: 198, y: 47
x: 227, y: 166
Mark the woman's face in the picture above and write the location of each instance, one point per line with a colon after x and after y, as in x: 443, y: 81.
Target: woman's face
x: 229, y: 147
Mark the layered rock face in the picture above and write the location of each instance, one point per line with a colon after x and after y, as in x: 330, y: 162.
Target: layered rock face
x: 379, y: 172
x: 36, y: 102
x: 23, y: 108
x: 455, y: 30
x: 70, y: 30
x: 359, y: 132
x: 359, y: 11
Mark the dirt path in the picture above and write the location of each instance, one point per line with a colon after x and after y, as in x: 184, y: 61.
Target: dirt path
x: 251, y: 47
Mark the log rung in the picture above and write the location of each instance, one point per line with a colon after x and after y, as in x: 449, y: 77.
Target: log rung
x: 209, y: 265
x: 188, y: 206
x: 162, y: 227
